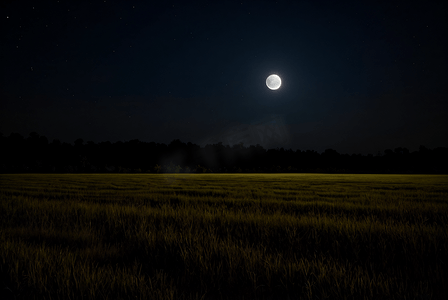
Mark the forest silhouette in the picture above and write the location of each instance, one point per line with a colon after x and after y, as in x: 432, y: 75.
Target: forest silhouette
x: 35, y: 154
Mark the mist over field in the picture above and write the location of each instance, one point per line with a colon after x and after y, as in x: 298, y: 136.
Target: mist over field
x: 35, y: 154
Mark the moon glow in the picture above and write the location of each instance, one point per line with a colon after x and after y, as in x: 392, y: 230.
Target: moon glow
x: 273, y: 82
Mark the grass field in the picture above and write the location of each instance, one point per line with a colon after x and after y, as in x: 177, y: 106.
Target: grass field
x: 245, y: 236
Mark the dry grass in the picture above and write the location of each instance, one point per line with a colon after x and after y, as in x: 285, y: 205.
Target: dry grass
x: 245, y: 236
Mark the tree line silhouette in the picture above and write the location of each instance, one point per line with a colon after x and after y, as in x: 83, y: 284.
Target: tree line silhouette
x: 36, y: 154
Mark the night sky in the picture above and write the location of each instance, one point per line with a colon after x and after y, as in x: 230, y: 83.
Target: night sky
x: 357, y: 77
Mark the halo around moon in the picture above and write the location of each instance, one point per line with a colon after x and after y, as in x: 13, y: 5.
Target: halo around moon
x: 273, y: 82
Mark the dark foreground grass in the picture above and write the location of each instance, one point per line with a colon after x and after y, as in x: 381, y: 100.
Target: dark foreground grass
x: 251, y: 236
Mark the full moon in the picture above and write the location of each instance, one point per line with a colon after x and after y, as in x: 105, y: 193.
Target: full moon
x: 273, y: 82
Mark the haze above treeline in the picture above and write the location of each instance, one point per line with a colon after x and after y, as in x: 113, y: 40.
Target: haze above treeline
x: 36, y: 154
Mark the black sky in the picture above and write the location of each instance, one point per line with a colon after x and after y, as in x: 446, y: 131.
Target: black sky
x: 358, y: 77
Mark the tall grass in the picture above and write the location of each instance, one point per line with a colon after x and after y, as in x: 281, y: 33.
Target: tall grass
x: 248, y: 236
